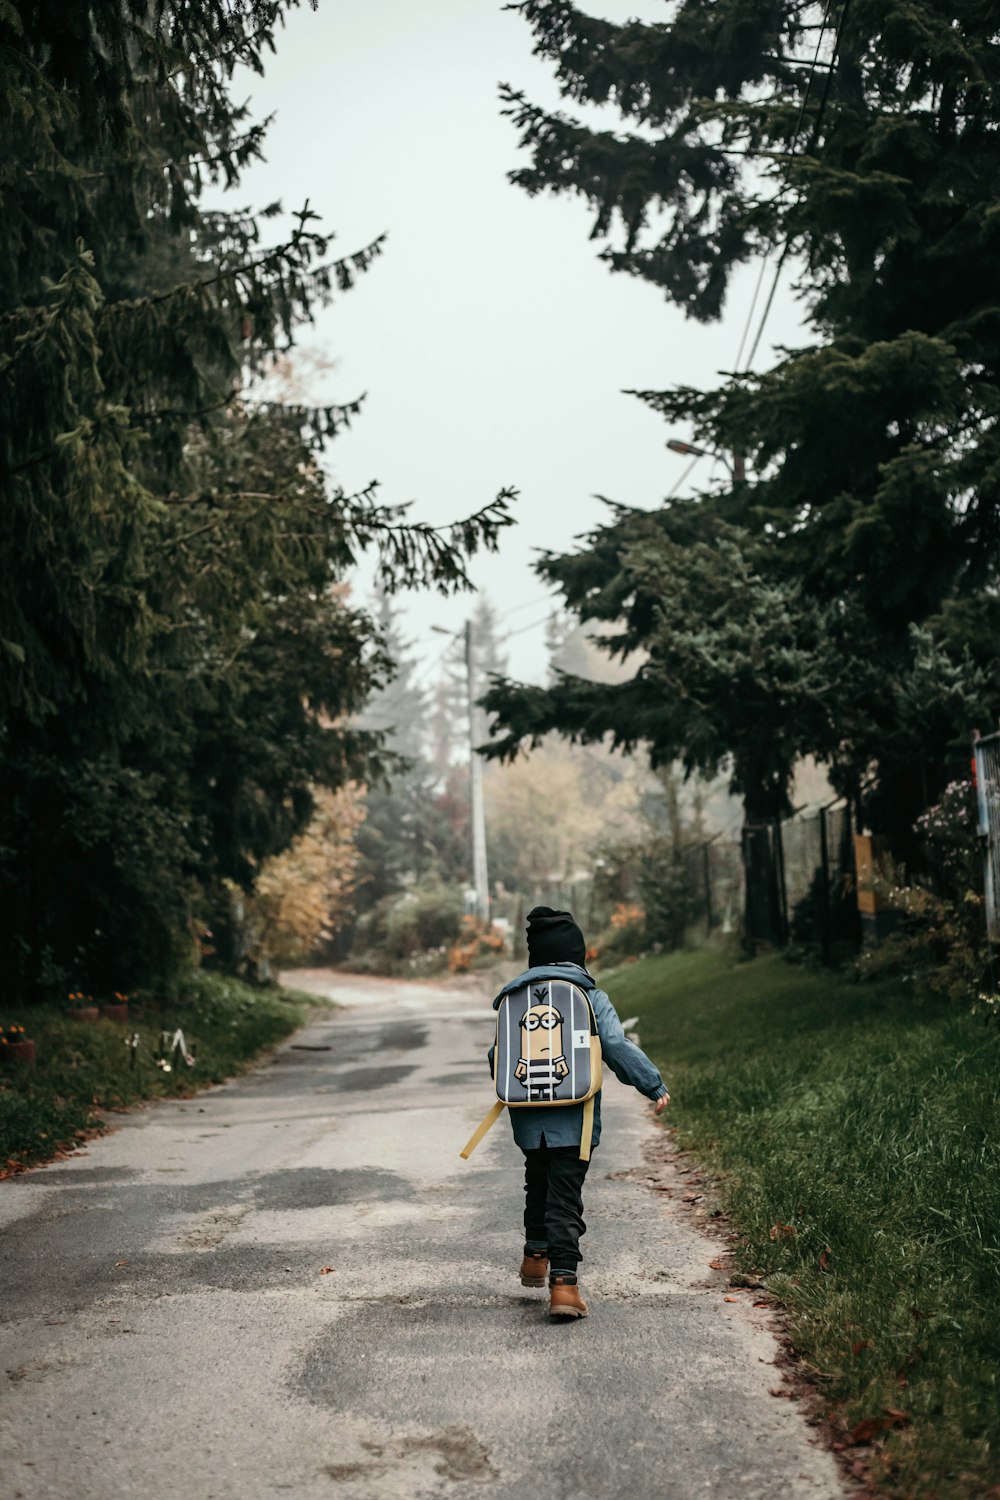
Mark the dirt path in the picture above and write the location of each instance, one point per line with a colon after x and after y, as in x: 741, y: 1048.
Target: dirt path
x: 168, y: 1329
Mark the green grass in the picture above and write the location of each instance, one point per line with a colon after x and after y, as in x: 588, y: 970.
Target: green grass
x: 868, y: 1119
x: 84, y: 1066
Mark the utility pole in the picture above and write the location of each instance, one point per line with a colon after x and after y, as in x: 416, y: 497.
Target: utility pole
x: 477, y: 809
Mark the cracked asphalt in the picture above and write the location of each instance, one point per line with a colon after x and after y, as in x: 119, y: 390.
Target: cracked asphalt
x: 168, y: 1327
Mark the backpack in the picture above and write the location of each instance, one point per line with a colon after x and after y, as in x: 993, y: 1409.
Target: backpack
x: 548, y: 1052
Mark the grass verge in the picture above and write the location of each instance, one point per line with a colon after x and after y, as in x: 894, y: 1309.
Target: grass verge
x: 84, y: 1067
x: 864, y: 1119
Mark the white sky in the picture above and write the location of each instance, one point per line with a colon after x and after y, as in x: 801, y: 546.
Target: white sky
x: 493, y: 344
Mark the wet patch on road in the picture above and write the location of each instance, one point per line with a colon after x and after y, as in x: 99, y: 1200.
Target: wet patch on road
x: 320, y: 1187
x: 78, y: 1177
x: 400, y: 1036
x: 366, y: 1080
x: 229, y: 1268
x: 452, y: 1080
x: 113, y: 1228
x: 298, y: 1057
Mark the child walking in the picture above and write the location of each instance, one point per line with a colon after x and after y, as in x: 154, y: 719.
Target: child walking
x: 550, y: 1136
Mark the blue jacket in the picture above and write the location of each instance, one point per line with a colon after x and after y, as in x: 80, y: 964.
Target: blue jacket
x: 561, y: 1125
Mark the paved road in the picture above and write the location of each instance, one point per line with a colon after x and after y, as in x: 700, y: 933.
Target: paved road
x: 166, y: 1331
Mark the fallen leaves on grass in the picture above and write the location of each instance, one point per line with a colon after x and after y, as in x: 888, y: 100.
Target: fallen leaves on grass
x: 824, y: 1260
x: 873, y: 1427
x: 783, y: 1231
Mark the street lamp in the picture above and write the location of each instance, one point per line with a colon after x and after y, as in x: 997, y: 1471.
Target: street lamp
x: 737, y: 469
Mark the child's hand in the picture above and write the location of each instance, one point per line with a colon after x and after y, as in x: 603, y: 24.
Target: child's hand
x: 661, y: 1104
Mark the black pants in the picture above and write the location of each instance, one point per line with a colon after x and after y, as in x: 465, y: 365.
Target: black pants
x: 553, y: 1202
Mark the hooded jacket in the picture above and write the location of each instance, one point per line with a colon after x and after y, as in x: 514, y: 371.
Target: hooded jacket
x: 560, y: 1125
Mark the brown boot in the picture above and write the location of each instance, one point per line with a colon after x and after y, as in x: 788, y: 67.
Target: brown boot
x: 534, y: 1268
x: 565, y: 1300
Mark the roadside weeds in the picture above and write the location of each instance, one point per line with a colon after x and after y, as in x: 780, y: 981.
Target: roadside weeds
x: 853, y: 1131
x: 83, y: 1070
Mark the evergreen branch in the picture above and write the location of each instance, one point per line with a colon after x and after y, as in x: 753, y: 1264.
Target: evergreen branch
x: 413, y: 554
x: 249, y: 138
x: 246, y: 40
x: 178, y: 414
x: 275, y: 256
x: 344, y: 269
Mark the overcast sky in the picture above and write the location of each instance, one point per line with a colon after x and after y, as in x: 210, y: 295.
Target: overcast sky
x: 493, y: 344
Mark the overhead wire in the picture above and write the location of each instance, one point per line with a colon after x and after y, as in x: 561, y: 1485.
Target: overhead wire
x: 753, y: 307
x: 697, y: 459
x: 803, y: 105
x: 521, y: 629
x: 519, y: 608
x: 428, y: 669
x: 784, y: 251
x: 813, y: 138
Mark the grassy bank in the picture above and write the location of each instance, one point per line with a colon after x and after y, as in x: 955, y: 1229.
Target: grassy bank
x: 867, y: 1122
x: 85, y: 1066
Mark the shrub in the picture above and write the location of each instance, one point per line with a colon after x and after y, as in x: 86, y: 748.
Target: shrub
x: 666, y: 890
x: 405, y: 932
x: 626, y: 935
x: 423, y: 919
x: 941, y: 938
x: 479, y: 942
x: 651, y: 879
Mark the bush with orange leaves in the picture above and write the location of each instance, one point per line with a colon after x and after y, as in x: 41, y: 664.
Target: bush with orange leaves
x: 305, y: 895
x: 478, y: 941
x: 625, y: 937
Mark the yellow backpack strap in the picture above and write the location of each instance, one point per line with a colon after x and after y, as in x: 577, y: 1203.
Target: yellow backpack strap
x: 587, y: 1133
x: 481, y: 1130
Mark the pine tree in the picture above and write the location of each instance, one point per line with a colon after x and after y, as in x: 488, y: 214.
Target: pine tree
x: 398, y: 841
x: 399, y: 710
x: 178, y: 665
x: 857, y: 144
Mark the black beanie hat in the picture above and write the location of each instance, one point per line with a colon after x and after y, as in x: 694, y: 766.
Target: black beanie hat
x: 554, y: 938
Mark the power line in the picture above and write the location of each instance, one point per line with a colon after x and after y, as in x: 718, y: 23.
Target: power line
x: 697, y: 459
x: 518, y: 608
x: 814, y: 136
x: 427, y: 671
x: 520, y: 631
x: 429, y: 668
x: 753, y: 307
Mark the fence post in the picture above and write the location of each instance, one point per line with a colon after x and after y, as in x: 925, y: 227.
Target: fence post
x: 986, y: 774
x: 826, y: 919
x: 780, y: 884
x: 749, y: 936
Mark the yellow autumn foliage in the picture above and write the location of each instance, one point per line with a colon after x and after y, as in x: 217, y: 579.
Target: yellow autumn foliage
x: 306, y: 895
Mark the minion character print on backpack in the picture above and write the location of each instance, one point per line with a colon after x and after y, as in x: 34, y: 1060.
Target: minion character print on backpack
x: 542, y: 1065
